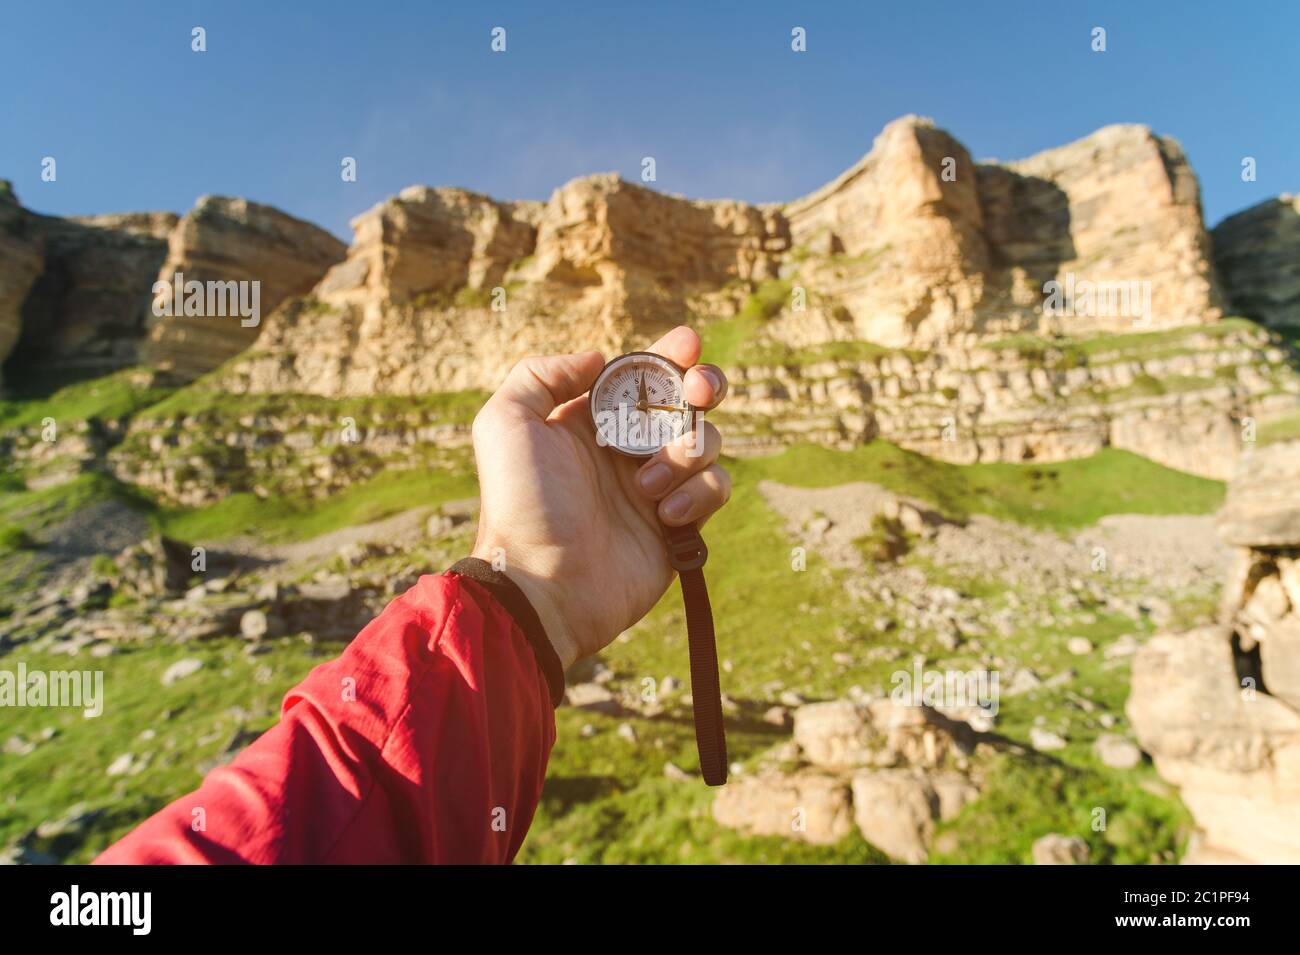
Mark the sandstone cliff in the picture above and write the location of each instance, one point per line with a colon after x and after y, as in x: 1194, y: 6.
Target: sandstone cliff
x: 1258, y: 254
x: 445, y: 289
x: 915, y: 246
x: 225, y: 240
x: 1219, y: 708
x: 946, y: 304
x: 906, y: 298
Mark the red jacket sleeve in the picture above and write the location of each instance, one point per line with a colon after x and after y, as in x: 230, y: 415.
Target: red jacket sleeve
x: 426, y: 741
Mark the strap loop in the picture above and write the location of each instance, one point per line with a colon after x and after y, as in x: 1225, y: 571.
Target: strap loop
x: 686, y: 548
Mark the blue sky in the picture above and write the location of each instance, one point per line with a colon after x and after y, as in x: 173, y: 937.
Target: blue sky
x: 712, y: 90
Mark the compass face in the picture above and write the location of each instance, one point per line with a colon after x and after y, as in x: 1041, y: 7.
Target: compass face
x: 638, y: 404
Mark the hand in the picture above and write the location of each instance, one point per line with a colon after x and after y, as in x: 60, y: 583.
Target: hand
x: 577, y: 524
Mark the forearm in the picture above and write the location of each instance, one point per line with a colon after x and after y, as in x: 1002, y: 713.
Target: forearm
x: 426, y: 741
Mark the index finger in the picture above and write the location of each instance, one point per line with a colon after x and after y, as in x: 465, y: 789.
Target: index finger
x: 681, y: 345
x: 705, y: 385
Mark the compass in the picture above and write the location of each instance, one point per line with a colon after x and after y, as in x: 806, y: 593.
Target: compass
x: 638, y: 404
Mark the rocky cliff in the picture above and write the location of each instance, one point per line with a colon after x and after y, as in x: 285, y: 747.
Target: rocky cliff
x: 1035, y: 310
x: 445, y: 289
x: 914, y: 246
x: 233, y: 240
x: 77, y: 292
x: 1219, y: 708
x: 87, y: 308
x: 911, y: 298
x: 1258, y: 254
x: 22, y: 255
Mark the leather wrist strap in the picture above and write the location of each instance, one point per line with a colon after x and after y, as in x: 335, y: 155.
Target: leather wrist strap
x: 687, y: 553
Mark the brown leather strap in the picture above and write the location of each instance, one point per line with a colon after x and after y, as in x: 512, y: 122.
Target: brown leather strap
x: 687, y: 553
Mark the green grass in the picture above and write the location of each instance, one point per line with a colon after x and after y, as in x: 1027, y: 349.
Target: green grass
x: 1286, y: 428
x: 37, y: 510
x: 13, y: 537
x: 606, y: 799
x: 1139, y: 827
x: 286, y: 519
x: 108, y: 397
x: 1080, y: 350
x: 201, y: 399
x: 232, y: 690
x: 723, y: 339
x: 767, y: 300
x: 842, y: 351
x: 1065, y: 495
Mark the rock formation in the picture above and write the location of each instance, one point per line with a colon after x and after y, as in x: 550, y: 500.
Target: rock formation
x: 1036, y: 310
x: 914, y: 246
x: 898, y: 240
x: 1178, y: 399
x: 88, y: 307
x: 1119, y: 206
x: 1219, y: 708
x: 1258, y: 255
x: 445, y: 289
x: 233, y: 240
x: 21, y: 259
x: 891, y: 769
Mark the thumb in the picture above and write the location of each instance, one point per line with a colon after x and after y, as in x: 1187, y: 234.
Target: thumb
x: 537, y: 386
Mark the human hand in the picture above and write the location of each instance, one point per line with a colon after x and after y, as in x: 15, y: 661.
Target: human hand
x: 576, y: 524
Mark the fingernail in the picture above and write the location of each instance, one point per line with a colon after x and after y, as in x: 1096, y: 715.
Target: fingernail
x: 655, y: 478
x: 675, y: 507
x: 712, y: 378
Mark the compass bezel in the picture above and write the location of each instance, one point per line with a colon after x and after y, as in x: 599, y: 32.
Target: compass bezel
x: 618, y: 360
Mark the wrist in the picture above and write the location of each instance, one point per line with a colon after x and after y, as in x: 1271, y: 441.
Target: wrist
x: 541, y: 591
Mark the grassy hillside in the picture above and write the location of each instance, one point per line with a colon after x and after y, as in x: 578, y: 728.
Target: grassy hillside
x: 607, y: 797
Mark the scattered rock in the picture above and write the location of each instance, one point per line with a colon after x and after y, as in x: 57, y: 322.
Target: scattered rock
x: 1045, y: 740
x: 808, y: 806
x: 1079, y: 646
x: 895, y: 811
x: 259, y: 625
x: 1056, y: 849
x: 592, y: 696
x: 1117, y: 752
x: 778, y: 716
x: 180, y: 670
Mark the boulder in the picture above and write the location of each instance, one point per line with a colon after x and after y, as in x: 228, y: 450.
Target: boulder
x: 180, y: 670
x: 1056, y: 849
x: 1263, y: 504
x: 1116, y: 751
x: 157, y: 566
x: 842, y: 735
x: 1233, y: 750
x: 895, y: 811
x: 808, y: 806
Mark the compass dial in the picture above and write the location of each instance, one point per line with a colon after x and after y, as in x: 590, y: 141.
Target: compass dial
x: 638, y: 404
